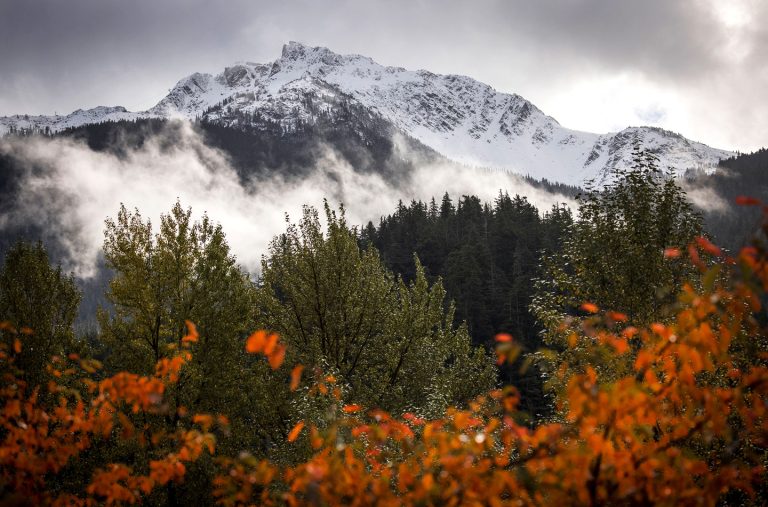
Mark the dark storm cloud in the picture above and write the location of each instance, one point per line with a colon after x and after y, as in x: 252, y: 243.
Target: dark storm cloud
x: 60, y: 55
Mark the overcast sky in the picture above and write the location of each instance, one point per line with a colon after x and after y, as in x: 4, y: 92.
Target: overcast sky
x: 699, y: 67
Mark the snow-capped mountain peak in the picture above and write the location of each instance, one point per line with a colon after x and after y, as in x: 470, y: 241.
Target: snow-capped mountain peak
x: 457, y: 116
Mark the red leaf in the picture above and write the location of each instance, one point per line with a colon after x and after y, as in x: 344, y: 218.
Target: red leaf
x: 744, y: 200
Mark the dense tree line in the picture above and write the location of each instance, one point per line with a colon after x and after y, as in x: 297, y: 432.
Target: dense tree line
x: 679, y: 399
x: 399, y: 315
x: 742, y: 175
x: 487, y: 255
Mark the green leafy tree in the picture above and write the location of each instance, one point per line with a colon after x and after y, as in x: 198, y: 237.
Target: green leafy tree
x: 614, y: 257
x: 37, y: 296
x: 391, y: 344
x: 185, y: 271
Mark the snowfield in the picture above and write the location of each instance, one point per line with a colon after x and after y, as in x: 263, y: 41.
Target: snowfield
x: 463, y: 119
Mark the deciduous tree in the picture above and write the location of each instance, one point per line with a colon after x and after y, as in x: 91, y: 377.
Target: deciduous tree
x: 392, y: 344
x: 42, y: 299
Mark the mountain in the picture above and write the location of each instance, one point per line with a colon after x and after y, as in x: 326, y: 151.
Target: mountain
x: 466, y: 121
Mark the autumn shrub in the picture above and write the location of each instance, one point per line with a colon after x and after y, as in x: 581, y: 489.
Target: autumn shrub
x: 40, y: 439
x: 686, y: 425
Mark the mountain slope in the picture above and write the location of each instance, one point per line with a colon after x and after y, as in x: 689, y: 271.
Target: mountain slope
x: 463, y: 119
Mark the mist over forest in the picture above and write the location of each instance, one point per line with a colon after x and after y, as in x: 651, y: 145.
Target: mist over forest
x: 247, y: 258
x: 66, y: 185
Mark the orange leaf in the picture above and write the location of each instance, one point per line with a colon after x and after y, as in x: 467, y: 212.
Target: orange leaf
x: 203, y: 420
x: 629, y: 332
x: 296, y: 376
x: 708, y: 247
x: 276, y: 357
x: 694, y: 254
x: 255, y: 343
x: 589, y: 307
x: 270, y: 343
x: 191, y: 333
x: 503, y: 338
x: 617, y: 316
x: 294, y: 434
x: 348, y: 409
x: 644, y: 359
x: 17, y: 345
x: 621, y: 346
x: 671, y: 253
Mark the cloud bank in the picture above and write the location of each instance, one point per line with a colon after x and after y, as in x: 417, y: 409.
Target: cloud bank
x: 69, y: 188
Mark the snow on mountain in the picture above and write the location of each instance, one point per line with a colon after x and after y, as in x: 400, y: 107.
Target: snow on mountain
x: 56, y: 123
x: 461, y: 118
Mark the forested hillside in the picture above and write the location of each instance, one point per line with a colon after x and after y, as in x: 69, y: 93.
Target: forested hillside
x: 742, y: 175
x: 489, y: 350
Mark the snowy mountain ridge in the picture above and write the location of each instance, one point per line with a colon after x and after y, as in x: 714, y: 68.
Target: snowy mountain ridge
x: 457, y: 116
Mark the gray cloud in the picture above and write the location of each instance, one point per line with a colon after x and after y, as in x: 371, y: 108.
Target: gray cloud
x: 703, y: 61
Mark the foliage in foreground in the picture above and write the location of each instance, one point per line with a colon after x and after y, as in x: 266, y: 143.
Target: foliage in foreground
x: 614, y: 256
x: 687, y: 426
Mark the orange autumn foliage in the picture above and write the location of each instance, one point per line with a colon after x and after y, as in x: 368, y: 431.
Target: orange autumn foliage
x: 39, y: 439
x: 268, y: 344
x: 688, y: 426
